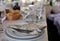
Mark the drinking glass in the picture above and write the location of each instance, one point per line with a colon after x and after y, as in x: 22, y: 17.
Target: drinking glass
x: 35, y: 13
x: 2, y: 18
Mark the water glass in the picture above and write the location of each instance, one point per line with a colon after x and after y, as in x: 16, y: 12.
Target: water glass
x: 2, y: 18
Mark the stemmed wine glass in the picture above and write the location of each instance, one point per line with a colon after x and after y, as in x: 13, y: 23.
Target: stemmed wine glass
x: 2, y: 18
x: 2, y: 15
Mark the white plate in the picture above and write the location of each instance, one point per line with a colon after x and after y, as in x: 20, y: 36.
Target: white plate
x: 9, y: 32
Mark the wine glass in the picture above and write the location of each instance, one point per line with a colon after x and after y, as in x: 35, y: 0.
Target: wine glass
x: 2, y: 18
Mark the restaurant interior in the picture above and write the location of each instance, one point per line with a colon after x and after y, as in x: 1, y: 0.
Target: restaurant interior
x: 29, y: 20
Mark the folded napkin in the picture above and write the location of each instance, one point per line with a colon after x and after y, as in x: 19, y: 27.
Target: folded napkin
x: 56, y: 19
x: 57, y: 23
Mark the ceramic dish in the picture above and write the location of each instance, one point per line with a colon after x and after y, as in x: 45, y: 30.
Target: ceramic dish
x: 16, y: 35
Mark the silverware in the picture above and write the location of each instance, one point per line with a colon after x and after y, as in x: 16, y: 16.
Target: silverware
x: 23, y: 31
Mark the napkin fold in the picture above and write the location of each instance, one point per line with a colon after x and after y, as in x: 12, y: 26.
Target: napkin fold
x: 56, y: 20
x: 57, y: 23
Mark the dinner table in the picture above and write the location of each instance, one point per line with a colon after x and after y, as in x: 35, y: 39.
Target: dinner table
x: 6, y: 23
